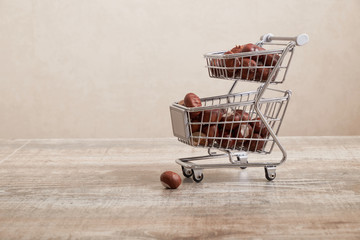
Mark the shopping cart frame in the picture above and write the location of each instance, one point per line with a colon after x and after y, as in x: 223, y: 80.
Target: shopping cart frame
x: 239, y: 158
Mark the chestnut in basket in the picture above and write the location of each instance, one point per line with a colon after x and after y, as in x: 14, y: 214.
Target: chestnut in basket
x: 250, y: 48
x: 215, y: 63
x: 248, y: 69
x: 211, y: 132
x: 244, y: 116
x: 213, y: 115
x: 270, y: 59
x: 237, y: 49
x: 198, y: 139
x: 260, y: 128
x: 195, y: 125
x: 233, y: 64
x: 254, y: 48
x: 255, y: 144
x: 262, y: 73
x: 226, y: 141
x: 192, y: 100
x: 232, y: 121
x: 243, y: 131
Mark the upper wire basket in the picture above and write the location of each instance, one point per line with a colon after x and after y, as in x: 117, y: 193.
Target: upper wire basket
x: 253, y: 66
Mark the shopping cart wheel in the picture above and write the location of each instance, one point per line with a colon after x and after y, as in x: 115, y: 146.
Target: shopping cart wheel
x: 197, y: 176
x: 239, y: 159
x: 186, y: 172
x: 270, y: 173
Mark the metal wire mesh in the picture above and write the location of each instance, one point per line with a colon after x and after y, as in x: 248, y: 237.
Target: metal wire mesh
x: 256, y: 66
x: 230, y: 122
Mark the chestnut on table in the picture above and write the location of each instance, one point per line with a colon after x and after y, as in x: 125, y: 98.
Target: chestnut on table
x: 170, y: 179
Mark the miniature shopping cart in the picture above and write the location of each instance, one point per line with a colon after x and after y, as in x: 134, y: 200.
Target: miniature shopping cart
x: 237, y: 124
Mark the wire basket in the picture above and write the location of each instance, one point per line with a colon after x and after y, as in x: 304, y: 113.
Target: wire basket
x: 230, y: 122
x: 257, y: 66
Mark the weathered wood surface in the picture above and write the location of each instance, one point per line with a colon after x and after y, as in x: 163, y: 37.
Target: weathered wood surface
x: 110, y: 189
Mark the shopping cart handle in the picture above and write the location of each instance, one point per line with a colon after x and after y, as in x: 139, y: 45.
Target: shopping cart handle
x: 300, y: 40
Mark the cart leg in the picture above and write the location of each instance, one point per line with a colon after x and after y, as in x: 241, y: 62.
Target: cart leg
x: 197, y: 175
x: 270, y: 172
x: 242, y: 157
x: 186, y: 172
x: 210, y: 152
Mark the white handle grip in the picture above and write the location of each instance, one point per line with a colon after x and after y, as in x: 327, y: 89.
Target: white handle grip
x: 300, y: 40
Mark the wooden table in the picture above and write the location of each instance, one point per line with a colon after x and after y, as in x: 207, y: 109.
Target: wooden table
x: 110, y: 189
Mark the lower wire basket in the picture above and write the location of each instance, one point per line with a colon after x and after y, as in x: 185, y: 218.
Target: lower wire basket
x: 230, y: 122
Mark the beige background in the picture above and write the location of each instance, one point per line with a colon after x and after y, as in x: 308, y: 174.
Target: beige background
x: 109, y: 68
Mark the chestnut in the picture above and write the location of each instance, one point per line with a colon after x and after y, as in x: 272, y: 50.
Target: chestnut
x: 226, y: 141
x: 231, y: 121
x: 195, y: 125
x: 250, y: 48
x: 237, y: 49
x: 243, y: 116
x: 211, y: 132
x: 232, y: 65
x: 260, y: 128
x: 192, y: 100
x: 170, y: 179
x: 262, y: 73
x: 254, y: 144
x: 213, y: 115
x: 248, y: 68
x: 198, y: 139
x: 243, y: 131
x: 270, y: 59
x: 215, y: 71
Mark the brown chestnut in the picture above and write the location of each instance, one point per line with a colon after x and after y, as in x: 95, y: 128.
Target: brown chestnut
x: 243, y: 116
x: 198, y: 139
x: 170, y: 179
x: 260, y: 128
x: 211, y: 132
x: 243, y: 131
x: 250, y: 48
x: 213, y: 115
x: 216, y: 68
x: 262, y: 73
x: 237, y: 49
x: 192, y: 100
x: 232, y: 65
x: 255, y: 144
x: 270, y: 59
x: 226, y: 141
x: 231, y: 121
x: 195, y: 125
x: 248, y: 68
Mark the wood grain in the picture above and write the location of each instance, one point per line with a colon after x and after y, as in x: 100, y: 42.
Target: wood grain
x: 110, y: 189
